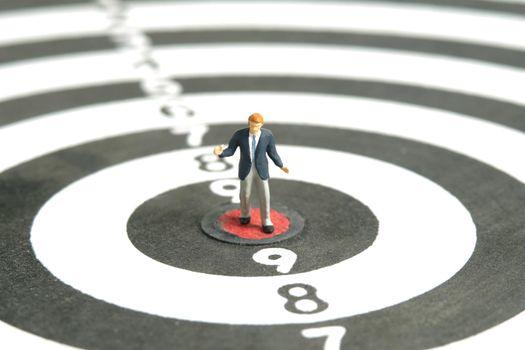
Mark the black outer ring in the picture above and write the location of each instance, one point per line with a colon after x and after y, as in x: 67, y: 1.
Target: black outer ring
x: 487, y: 291
x: 210, y: 226
x: 482, y: 52
x: 504, y: 7
x: 500, y: 112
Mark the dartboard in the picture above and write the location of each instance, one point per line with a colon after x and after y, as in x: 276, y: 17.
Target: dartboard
x: 401, y: 122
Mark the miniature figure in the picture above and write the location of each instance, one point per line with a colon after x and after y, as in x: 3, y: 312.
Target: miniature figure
x: 254, y: 142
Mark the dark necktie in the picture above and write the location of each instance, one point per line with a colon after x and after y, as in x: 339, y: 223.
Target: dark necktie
x: 253, y: 148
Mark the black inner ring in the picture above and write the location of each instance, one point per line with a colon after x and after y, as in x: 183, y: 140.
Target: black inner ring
x: 167, y: 229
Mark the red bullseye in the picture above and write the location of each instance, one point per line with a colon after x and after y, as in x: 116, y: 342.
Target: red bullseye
x: 230, y: 223
x: 223, y: 223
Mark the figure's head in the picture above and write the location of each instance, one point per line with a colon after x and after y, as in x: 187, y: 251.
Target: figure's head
x: 255, y: 123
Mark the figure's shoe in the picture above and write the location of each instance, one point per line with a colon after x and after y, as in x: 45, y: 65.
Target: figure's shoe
x: 268, y: 228
x: 245, y: 221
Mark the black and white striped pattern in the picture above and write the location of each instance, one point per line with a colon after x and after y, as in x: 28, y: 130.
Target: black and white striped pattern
x: 436, y: 87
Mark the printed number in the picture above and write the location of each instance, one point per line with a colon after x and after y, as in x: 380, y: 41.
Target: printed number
x: 302, y: 299
x: 210, y: 162
x: 161, y: 87
x: 333, y: 334
x: 226, y: 188
x: 284, y: 259
x: 175, y: 108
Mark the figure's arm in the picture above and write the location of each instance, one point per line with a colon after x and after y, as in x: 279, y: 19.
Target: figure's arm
x: 223, y: 151
x: 274, y: 156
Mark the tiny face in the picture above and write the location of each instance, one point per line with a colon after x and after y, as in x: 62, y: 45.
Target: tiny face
x: 254, y: 127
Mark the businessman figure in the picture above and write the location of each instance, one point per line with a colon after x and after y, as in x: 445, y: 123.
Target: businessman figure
x: 255, y: 143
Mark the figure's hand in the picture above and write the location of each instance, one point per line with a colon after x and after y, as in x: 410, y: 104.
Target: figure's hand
x: 285, y: 169
x: 218, y: 150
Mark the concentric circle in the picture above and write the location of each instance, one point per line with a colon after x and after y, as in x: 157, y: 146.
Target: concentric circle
x: 166, y: 228
x: 407, y: 154
x: 396, y: 57
x: 103, y: 223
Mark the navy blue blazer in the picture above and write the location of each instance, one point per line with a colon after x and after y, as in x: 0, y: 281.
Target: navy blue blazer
x: 266, y: 145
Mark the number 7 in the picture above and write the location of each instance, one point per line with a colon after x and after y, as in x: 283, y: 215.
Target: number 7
x: 333, y: 334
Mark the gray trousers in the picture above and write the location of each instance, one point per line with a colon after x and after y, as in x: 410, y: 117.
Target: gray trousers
x: 263, y: 192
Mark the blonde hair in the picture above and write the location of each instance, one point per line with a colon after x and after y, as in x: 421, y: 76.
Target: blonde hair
x: 256, y: 118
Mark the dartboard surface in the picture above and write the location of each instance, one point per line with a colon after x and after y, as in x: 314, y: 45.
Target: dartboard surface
x: 401, y: 222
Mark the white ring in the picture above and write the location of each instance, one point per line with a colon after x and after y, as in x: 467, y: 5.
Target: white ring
x: 411, y: 20
x: 80, y: 236
x: 389, y: 66
x: 423, y: 124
